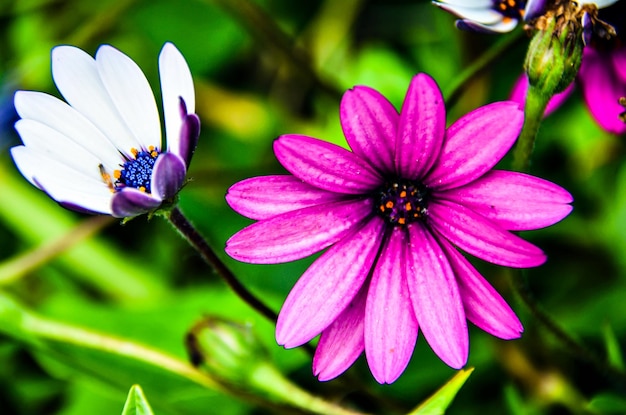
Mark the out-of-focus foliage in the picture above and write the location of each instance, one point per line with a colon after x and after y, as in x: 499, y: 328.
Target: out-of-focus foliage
x: 264, y: 68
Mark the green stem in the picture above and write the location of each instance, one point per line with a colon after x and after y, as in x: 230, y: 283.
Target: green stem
x: 23, y: 324
x: 534, y: 109
x: 15, y: 268
x: 189, y: 232
x: 481, y: 63
x: 265, y: 377
x: 523, y: 294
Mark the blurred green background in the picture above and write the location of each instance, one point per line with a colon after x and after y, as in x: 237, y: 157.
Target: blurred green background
x: 264, y: 68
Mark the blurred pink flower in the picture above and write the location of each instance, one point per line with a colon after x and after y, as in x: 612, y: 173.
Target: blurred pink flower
x: 602, y: 74
x: 602, y: 78
x: 392, y: 213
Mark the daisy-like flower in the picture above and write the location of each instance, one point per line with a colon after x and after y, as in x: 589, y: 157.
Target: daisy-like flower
x: 391, y: 214
x: 101, y: 151
x: 488, y: 16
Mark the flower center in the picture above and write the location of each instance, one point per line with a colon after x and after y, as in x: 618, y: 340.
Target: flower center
x: 136, y: 172
x: 401, y: 202
x: 513, y: 9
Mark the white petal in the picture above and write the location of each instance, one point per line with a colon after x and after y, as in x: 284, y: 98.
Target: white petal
x: 504, y: 26
x: 481, y: 15
x: 78, y: 80
x: 484, y: 4
x: 131, y: 94
x: 176, y: 83
x: 62, y: 183
x: 599, y: 3
x: 43, y: 139
x: 59, y: 116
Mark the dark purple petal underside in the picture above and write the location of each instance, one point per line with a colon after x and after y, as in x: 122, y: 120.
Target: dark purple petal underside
x: 168, y: 175
x: 132, y: 202
x: 189, y: 133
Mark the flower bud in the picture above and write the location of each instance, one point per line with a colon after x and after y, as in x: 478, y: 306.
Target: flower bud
x: 555, y: 54
x: 224, y: 348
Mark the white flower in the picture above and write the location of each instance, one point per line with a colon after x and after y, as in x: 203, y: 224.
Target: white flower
x: 102, y: 151
x: 500, y: 16
x: 488, y: 16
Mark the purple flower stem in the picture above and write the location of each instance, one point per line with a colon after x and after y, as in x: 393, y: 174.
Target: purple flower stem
x: 187, y: 230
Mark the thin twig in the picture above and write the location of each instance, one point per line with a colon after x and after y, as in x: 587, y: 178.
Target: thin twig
x: 187, y: 230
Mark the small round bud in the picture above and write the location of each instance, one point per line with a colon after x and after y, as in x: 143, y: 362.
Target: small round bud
x: 554, y: 55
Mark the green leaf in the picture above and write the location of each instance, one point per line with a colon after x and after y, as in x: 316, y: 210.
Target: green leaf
x: 612, y: 347
x: 438, y: 402
x: 607, y: 403
x: 136, y: 403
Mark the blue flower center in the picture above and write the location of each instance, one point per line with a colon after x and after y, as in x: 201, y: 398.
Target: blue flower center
x: 137, y: 172
x: 401, y: 202
x: 513, y: 9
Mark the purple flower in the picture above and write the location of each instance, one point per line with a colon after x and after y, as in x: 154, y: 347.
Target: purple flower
x: 391, y: 214
x: 101, y: 152
x: 602, y: 77
x: 491, y: 16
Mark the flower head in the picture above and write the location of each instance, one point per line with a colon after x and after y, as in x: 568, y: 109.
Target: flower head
x: 487, y: 16
x: 101, y: 150
x: 391, y: 214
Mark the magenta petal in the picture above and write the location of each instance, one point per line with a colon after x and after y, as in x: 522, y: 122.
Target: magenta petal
x: 325, y: 165
x: 482, y: 238
x: 263, y: 197
x: 168, y: 175
x: 435, y: 297
x: 422, y: 128
x: 295, y: 235
x: 482, y: 304
x: 132, y: 202
x: 602, y: 89
x: 514, y: 201
x: 341, y: 343
x: 475, y: 143
x: 520, y: 89
x: 619, y: 62
x: 369, y: 123
x: 390, y: 325
x: 328, y: 286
